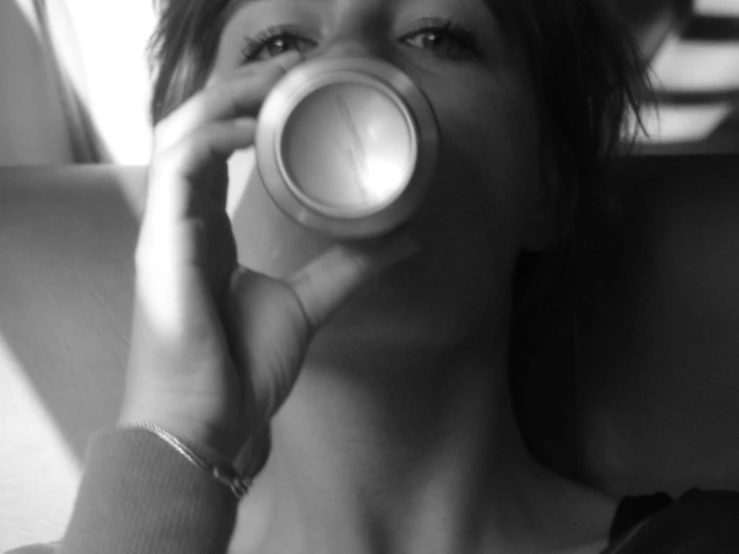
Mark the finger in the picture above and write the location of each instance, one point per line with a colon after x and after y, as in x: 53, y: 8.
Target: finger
x: 326, y: 282
x: 286, y: 61
x: 213, y: 142
x: 238, y: 96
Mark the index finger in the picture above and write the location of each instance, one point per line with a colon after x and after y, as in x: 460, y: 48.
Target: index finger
x: 236, y: 96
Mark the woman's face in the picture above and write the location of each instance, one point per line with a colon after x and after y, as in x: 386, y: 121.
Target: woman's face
x: 486, y: 195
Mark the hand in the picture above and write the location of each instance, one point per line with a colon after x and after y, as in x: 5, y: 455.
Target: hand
x: 216, y: 348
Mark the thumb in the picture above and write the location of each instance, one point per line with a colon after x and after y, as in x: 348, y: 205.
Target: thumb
x: 323, y: 285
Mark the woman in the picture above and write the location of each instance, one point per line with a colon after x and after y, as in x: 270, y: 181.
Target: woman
x: 388, y: 360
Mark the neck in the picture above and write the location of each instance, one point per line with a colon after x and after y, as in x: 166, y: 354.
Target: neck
x: 423, y: 456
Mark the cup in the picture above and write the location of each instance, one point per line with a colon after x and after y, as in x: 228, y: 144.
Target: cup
x: 346, y: 147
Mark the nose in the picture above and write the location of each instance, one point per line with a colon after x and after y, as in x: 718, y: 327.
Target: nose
x: 349, y: 47
x: 358, y: 34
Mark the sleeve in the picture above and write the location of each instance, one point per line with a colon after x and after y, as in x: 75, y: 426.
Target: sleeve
x: 138, y: 495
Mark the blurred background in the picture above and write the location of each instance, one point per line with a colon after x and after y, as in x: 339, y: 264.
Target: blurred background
x: 74, y: 81
x: 74, y: 92
x: 74, y: 84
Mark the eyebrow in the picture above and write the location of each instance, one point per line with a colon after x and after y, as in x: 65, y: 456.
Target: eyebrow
x: 240, y: 3
x: 493, y: 7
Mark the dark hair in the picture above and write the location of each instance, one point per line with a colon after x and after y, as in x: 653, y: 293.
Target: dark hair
x: 182, y: 50
x: 588, y: 77
x: 590, y: 80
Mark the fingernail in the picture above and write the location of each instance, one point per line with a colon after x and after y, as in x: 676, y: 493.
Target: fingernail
x: 289, y: 60
x: 244, y: 122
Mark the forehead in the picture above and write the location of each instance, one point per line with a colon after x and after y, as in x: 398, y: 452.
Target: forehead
x: 497, y: 7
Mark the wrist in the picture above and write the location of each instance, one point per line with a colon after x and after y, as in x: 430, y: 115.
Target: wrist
x: 203, y: 458
x: 205, y: 439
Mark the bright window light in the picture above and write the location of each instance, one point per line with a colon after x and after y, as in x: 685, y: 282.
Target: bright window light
x: 672, y: 124
x: 716, y: 8
x: 101, y: 46
x: 696, y: 66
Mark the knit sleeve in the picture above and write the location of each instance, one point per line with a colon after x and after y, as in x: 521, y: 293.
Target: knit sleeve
x: 138, y: 495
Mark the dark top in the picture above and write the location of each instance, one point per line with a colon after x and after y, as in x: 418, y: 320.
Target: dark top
x: 139, y: 495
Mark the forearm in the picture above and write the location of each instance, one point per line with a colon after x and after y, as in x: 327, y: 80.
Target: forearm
x: 138, y: 495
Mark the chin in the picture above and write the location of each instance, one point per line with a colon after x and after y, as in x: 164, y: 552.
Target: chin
x: 398, y: 315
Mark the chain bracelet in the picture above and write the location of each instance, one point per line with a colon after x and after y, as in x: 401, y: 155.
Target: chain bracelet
x: 223, y: 473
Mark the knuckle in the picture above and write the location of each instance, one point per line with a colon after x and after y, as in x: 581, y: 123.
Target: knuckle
x: 309, y: 316
x: 274, y: 70
x: 225, y: 96
x: 163, y: 132
x: 164, y: 163
x: 355, y: 261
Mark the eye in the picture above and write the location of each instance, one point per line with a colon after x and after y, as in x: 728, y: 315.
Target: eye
x: 444, y: 37
x: 274, y: 41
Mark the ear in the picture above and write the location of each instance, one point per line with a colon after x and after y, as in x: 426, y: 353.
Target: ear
x: 553, y: 197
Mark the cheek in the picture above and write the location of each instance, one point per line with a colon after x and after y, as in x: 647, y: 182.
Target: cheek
x: 487, y: 168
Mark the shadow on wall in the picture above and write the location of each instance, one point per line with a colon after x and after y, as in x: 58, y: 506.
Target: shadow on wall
x: 67, y: 238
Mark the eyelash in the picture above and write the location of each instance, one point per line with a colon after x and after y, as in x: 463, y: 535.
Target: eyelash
x: 448, y: 28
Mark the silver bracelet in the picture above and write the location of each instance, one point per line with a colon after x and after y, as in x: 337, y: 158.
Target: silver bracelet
x: 224, y: 473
